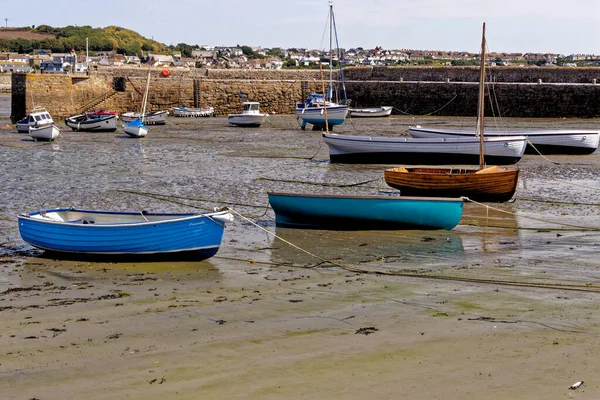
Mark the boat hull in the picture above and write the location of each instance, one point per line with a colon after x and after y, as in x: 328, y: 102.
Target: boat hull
x: 135, y: 128
x: 374, y: 112
x: 84, y: 123
x: 104, y: 233
x: 248, y: 120
x: 433, y: 151
x: 193, y: 112
x: 46, y: 133
x: 336, y: 115
x: 153, y: 118
x: 565, y: 141
x: 498, y: 185
x: 364, y: 212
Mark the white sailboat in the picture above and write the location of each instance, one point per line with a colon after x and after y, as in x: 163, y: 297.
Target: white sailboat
x: 311, y: 111
x: 136, y: 128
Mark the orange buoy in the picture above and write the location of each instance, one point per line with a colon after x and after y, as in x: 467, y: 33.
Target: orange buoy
x: 165, y: 73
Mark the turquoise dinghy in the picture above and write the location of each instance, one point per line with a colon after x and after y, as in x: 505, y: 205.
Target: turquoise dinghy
x: 365, y: 212
x: 118, y: 234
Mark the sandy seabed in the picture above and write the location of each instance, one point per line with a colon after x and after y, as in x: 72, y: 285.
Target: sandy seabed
x: 502, y: 307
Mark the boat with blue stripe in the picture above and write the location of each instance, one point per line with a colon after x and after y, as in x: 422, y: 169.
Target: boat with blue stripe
x: 342, y: 212
x: 109, y: 233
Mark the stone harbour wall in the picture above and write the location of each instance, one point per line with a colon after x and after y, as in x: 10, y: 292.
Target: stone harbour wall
x: 5, y: 82
x: 452, y: 91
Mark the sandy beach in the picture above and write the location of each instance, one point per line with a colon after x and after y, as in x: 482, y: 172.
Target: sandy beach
x: 502, y: 307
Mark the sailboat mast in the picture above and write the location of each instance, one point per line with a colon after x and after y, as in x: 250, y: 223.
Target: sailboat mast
x: 330, y: 49
x: 481, y: 102
x: 145, y: 98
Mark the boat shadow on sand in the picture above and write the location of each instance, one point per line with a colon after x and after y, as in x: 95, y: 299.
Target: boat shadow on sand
x: 128, y: 258
x: 362, y: 247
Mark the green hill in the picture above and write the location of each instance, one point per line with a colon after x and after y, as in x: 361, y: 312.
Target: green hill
x: 111, y: 38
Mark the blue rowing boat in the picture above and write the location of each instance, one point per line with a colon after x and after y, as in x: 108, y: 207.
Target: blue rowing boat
x: 365, y: 212
x: 106, y: 233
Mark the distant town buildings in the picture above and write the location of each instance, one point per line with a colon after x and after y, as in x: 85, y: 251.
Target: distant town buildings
x: 244, y: 57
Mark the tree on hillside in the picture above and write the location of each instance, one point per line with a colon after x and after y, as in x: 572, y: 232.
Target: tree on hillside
x: 185, y: 49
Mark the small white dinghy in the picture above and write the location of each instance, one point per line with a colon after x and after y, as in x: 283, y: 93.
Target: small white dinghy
x: 370, y: 112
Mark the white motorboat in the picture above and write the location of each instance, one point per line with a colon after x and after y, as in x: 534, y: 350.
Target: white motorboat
x: 150, y: 118
x: 44, y: 132
x: 370, y: 112
x: 250, y: 116
x: 37, y: 116
x: 432, y: 151
x: 560, y: 141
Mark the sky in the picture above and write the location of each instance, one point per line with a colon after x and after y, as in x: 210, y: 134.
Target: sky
x: 512, y: 26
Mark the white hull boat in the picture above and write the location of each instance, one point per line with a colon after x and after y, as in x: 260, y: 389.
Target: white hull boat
x: 250, y: 116
x: 316, y: 114
x: 135, y: 128
x: 432, y: 151
x: 319, y: 109
x: 193, y: 112
x: 150, y: 118
x: 92, y: 122
x: 45, y: 132
x: 370, y: 112
x: 566, y: 141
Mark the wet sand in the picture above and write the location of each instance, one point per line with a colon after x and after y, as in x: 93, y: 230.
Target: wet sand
x: 503, y: 306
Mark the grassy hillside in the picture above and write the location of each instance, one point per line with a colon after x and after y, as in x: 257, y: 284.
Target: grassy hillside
x: 111, y: 38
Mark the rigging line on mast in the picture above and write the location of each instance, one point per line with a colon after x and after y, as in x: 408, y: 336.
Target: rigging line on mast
x: 337, y: 45
x: 322, y: 45
x: 493, y: 98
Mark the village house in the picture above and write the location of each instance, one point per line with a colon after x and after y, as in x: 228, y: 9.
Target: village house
x: 159, y: 60
x: 132, y: 60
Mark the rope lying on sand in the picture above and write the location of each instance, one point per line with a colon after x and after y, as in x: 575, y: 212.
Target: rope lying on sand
x: 319, y: 183
x: 175, y: 200
x: 561, y: 181
x: 541, y: 285
x: 488, y: 207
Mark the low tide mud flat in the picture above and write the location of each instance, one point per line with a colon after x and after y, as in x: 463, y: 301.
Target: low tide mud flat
x: 502, y: 306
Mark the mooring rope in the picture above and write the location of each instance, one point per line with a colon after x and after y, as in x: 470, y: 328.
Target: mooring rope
x: 556, y: 286
x: 164, y: 197
x: 441, y: 108
x: 318, y: 183
x: 561, y: 181
x: 543, y: 156
x: 488, y: 207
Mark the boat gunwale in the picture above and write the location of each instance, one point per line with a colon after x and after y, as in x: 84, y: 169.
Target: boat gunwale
x: 355, y: 197
x: 412, y: 140
x: 181, y: 217
x: 500, y: 133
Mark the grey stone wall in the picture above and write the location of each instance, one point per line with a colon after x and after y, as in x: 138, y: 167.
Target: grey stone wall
x: 520, y: 92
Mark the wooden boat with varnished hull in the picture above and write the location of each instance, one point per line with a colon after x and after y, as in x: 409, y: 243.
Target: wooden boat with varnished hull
x: 494, y: 184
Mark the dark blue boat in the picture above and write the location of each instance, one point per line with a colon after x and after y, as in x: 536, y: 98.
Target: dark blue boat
x: 365, y: 212
x: 104, y: 233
